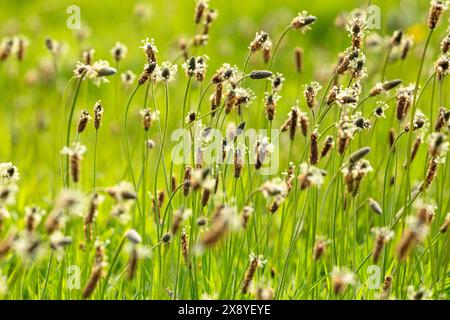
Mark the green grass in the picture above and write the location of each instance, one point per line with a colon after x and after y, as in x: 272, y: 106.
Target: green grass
x: 37, y: 108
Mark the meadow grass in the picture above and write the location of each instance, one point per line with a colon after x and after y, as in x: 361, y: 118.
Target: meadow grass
x: 95, y: 203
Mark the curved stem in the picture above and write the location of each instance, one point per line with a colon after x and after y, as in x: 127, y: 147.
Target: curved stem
x: 425, y: 86
x: 144, y: 183
x: 47, y: 274
x: 326, y: 90
x: 161, y: 150
x: 275, y: 50
x: 185, y: 99
x: 321, y: 116
x: 172, y: 195
x: 202, y: 116
x: 69, y: 122
x: 246, y: 64
x: 391, y: 151
x: 113, y: 262
x: 413, y: 111
x: 202, y: 96
x: 127, y: 144
x: 95, y: 157
x: 160, y: 137
x: 62, y: 116
x: 432, y: 102
x: 386, y: 61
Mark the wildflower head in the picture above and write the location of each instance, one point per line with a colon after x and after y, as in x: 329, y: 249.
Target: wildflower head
x: 98, y: 114
x: 272, y: 188
x: 225, y: 73
x: 380, y: 108
x: 383, y: 233
x: 71, y: 201
x: 418, y: 294
x: 310, y: 93
x: 58, y: 241
x: 82, y: 122
x: 357, y: 29
x: 437, y: 8
x: 354, y: 173
x: 445, y: 44
x: 303, y: 21
x: 133, y: 236
x: 442, y: 66
x: 404, y: 101
x: 375, y: 206
x: 200, y: 9
x: 53, y: 46
x: 261, y: 42
x: 270, y: 102
x: 260, y: 74
x: 119, y: 51
x: 150, y: 50
x: 97, y: 72
x: 438, y: 144
x: 277, y: 81
x: 407, y: 43
x: 166, y: 72
x: 8, y: 173
x: 148, y: 118
x: 128, y: 77
x: 148, y: 71
x: 263, y: 149
x: 396, y: 38
x: 124, y: 191
x: 310, y: 176
x: 341, y: 279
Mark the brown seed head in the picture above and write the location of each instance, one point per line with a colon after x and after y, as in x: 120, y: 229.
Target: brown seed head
x: 187, y: 180
x: 298, y: 54
x: 6, y: 50
x: 200, y: 9
x: 445, y: 44
x: 319, y: 249
x: 145, y: 75
x: 396, y: 38
x: 98, y: 114
x: 386, y: 288
x: 327, y: 146
x: 82, y: 122
x: 437, y: 8
x: 260, y: 74
x: 314, y: 148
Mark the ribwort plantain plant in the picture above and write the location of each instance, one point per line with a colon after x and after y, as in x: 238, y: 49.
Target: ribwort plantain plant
x: 304, y: 162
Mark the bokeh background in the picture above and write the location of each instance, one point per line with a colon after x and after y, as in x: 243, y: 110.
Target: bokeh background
x: 32, y: 106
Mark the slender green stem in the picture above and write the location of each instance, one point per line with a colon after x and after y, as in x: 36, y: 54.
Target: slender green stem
x: 62, y: 117
x: 413, y: 111
x: 111, y: 267
x: 188, y: 85
x: 277, y: 45
x: 144, y: 184
x: 202, y: 96
x: 127, y: 144
x: 386, y: 62
x: 49, y: 266
x: 161, y: 151
x: 95, y: 158
x: 432, y: 102
x: 69, y: 125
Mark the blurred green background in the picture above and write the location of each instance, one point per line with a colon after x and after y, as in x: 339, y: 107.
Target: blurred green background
x: 31, y: 98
